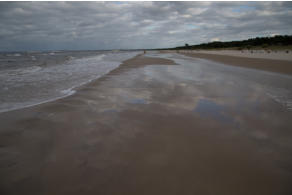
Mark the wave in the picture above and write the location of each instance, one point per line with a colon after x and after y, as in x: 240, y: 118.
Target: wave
x: 35, y: 85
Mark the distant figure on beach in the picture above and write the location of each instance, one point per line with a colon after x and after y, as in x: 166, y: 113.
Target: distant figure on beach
x: 144, y: 51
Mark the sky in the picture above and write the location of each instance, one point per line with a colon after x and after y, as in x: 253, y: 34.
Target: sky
x: 134, y: 25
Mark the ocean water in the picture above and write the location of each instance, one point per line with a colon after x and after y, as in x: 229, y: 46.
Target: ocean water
x: 30, y: 78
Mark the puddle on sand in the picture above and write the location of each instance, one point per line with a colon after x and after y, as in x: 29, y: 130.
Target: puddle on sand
x: 207, y: 108
x: 112, y: 110
x: 137, y: 101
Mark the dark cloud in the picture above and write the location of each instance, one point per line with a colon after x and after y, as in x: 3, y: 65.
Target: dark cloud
x: 114, y: 25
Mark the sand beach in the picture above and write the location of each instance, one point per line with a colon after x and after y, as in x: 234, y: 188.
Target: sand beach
x: 146, y: 98
x: 275, y: 61
x: 160, y: 123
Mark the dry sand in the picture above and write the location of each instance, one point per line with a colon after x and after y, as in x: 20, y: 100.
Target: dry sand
x: 280, y: 61
x: 262, y: 54
x: 129, y: 133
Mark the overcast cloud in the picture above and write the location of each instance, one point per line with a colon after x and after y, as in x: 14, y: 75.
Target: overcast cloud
x: 130, y: 25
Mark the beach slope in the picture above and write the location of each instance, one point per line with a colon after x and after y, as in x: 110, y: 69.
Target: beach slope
x: 158, y: 124
x: 279, y: 62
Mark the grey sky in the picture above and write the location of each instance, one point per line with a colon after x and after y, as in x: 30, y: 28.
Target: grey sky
x: 130, y: 25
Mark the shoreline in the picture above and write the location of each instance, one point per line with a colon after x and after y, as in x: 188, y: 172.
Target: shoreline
x: 71, y: 91
x: 126, y: 64
x: 282, y: 67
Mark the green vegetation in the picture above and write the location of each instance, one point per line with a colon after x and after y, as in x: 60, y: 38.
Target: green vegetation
x: 276, y: 42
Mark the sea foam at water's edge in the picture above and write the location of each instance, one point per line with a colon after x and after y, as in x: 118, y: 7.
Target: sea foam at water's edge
x: 28, y: 81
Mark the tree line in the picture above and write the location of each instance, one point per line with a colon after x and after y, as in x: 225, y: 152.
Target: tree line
x: 278, y: 40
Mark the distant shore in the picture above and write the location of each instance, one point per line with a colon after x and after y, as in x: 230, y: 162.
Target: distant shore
x: 276, y: 61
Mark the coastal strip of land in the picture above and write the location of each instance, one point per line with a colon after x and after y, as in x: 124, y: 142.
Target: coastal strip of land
x: 151, y: 126
x: 274, y: 62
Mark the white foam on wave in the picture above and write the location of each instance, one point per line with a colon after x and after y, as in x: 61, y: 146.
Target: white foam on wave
x: 12, y: 74
x: 68, y: 92
x: 14, y: 55
x: 29, y: 70
x: 281, y: 98
x: 99, y: 57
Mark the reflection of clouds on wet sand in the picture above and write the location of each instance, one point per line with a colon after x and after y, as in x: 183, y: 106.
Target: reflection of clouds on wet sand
x: 194, y: 121
x: 207, y: 108
x: 203, y: 91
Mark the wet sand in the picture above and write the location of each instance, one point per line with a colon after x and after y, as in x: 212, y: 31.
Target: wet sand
x: 279, y: 65
x: 151, y: 127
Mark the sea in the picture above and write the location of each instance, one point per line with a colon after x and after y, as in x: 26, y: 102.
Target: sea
x: 31, y: 78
